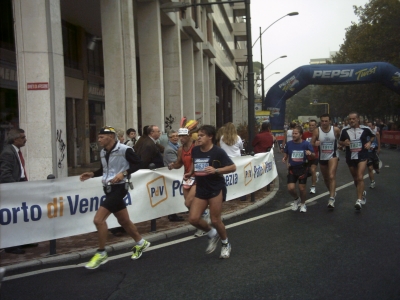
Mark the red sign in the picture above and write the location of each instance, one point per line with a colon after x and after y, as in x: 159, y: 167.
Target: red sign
x: 37, y: 86
x: 390, y: 137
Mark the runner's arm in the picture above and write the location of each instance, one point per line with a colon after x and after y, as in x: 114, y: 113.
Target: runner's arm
x: 314, y: 139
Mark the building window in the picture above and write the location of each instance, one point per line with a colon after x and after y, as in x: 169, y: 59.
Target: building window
x: 95, y: 58
x: 70, y: 45
x: 6, y: 25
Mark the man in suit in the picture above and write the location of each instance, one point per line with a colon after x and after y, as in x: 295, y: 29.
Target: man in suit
x: 12, y: 166
x: 148, y: 150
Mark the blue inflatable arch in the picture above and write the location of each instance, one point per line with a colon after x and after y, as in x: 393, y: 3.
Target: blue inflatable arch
x: 275, y: 100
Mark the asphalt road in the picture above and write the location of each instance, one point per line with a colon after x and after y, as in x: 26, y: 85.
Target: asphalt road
x: 276, y: 254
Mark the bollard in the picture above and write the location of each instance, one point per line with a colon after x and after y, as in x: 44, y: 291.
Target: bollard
x: 52, y: 242
x: 252, y: 195
x: 153, y: 223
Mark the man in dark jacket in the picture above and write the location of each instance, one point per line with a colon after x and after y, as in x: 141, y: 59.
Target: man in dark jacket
x: 149, y: 151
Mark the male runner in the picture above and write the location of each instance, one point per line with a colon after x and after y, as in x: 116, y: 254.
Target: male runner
x: 373, y: 159
x: 355, y: 139
x: 209, y: 163
x: 296, y: 154
x: 118, y: 161
x: 185, y: 159
x: 325, y: 137
x: 307, y: 136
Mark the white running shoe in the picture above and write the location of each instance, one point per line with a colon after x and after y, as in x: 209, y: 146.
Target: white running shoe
x: 358, y: 205
x: 225, y: 250
x: 372, y: 185
x: 295, y: 204
x: 212, y: 244
x: 312, y: 190
x: 303, y: 208
x: 331, y: 203
x: 199, y: 233
x: 317, y: 174
x: 364, y: 198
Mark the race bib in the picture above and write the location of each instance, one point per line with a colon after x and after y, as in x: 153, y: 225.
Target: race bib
x: 327, y: 147
x: 355, y: 146
x: 199, y: 165
x: 297, y: 155
x: 308, y: 139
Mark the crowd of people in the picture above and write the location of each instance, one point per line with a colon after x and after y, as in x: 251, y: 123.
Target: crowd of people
x: 320, y: 145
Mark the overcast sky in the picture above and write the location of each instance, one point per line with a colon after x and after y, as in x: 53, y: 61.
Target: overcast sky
x: 318, y: 29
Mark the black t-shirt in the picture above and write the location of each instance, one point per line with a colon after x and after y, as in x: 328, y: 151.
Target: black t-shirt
x: 211, y: 185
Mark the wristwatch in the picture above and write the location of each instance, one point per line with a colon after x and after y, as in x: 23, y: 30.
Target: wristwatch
x: 216, y: 171
x: 125, y: 173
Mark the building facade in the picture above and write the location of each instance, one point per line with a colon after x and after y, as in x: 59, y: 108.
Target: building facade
x: 68, y: 67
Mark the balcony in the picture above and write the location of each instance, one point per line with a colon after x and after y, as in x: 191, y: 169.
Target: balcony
x: 240, y: 56
x: 209, y: 50
x: 189, y: 27
x: 239, y: 31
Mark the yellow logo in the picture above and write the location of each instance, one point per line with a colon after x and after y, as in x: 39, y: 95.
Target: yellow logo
x: 157, y: 191
x: 248, y: 174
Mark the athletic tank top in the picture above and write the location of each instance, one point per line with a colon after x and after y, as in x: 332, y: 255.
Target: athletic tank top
x: 187, y: 158
x: 328, y: 146
x: 289, y: 135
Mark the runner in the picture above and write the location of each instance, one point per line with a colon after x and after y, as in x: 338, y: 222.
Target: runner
x: 307, y: 136
x: 355, y: 139
x: 325, y: 137
x: 288, y: 136
x: 296, y: 154
x: 185, y: 159
x: 209, y: 163
x: 118, y: 161
x: 373, y: 159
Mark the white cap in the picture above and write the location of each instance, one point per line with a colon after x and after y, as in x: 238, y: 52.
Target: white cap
x: 183, y: 131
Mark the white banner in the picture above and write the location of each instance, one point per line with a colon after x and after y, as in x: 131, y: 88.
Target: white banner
x: 36, y: 211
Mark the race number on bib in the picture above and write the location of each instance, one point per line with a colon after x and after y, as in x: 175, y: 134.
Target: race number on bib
x: 327, y: 147
x: 297, y: 155
x: 199, y: 165
x: 355, y: 146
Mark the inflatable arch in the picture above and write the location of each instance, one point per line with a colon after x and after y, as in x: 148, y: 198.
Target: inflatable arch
x: 291, y: 84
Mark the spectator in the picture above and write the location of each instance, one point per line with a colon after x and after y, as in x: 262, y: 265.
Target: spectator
x: 230, y: 141
x: 219, y: 135
x: 139, y: 143
x: 264, y: 140
x: 120, y: 135
x: 149, y: 151
x: 131, y: 137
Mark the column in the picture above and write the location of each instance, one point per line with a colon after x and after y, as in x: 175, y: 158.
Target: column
x: 151, y: 63
x: 119, y: 63
x: 41, y: 108
x: 206, y: 101
x: 199, y: 84
x: 171, y: 46
x: 212, y: 93
x: 188, y: 79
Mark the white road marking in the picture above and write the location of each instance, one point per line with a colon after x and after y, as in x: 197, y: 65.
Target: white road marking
x: 185, y: 239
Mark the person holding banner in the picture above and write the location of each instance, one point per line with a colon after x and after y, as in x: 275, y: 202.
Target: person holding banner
x: 355, y: 139
x: 297, y: 152
x: 209, y: 163
x: 118, y: 161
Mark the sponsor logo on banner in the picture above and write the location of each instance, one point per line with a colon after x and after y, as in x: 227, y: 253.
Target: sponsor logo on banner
x: 274, y: 111
x: 290, y: 84
x: 247, y: 173
x: 333, y: 73
x: 157, y: 190
x: 365, y: 72
x: 396, y: 79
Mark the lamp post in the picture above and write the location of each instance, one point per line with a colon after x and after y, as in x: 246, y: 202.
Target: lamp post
x: 272, y: 75
x: 316, y: 103
x: 176, y: 6
x: 260, y: 38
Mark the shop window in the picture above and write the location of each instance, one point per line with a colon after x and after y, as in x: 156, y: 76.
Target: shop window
x: 70, y: 45
x: 95, y: 58
x: 6, y: 25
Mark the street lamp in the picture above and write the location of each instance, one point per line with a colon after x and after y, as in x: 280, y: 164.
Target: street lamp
x: 283, y: 56
x: 316, y: 103
x: 259, y: 38
x: 176, y: 6
x: 272, y: 75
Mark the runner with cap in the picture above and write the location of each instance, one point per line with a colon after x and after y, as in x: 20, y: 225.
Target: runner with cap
x: 118, y: 161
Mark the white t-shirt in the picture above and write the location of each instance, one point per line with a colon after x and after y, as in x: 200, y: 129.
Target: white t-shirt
x: 234, y: 150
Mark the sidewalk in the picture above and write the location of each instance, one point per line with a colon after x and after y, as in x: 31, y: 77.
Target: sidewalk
x: 79, y: 246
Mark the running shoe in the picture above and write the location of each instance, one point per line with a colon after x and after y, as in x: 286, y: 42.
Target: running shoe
x: 364, y: 198
x: 199, y: 233
x: 317, y: 174
x: 295, y: 204
x: 358, y: 205
x: 312, y: 190
x: 372, y: 185
x: 139, y: 249
x: 225, y: 250
x: 331, y: 203
x: 97, y: 260
x: 303, y: 208
x: 212, y: 244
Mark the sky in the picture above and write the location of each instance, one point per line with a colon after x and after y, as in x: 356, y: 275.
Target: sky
x: 319, y: 28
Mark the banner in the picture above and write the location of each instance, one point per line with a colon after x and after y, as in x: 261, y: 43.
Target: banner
x: 327, y: 74
x: 36, y: 211
x: 390, y: 137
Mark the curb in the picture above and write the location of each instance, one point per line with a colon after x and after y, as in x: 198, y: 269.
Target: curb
x: 151, y: 237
